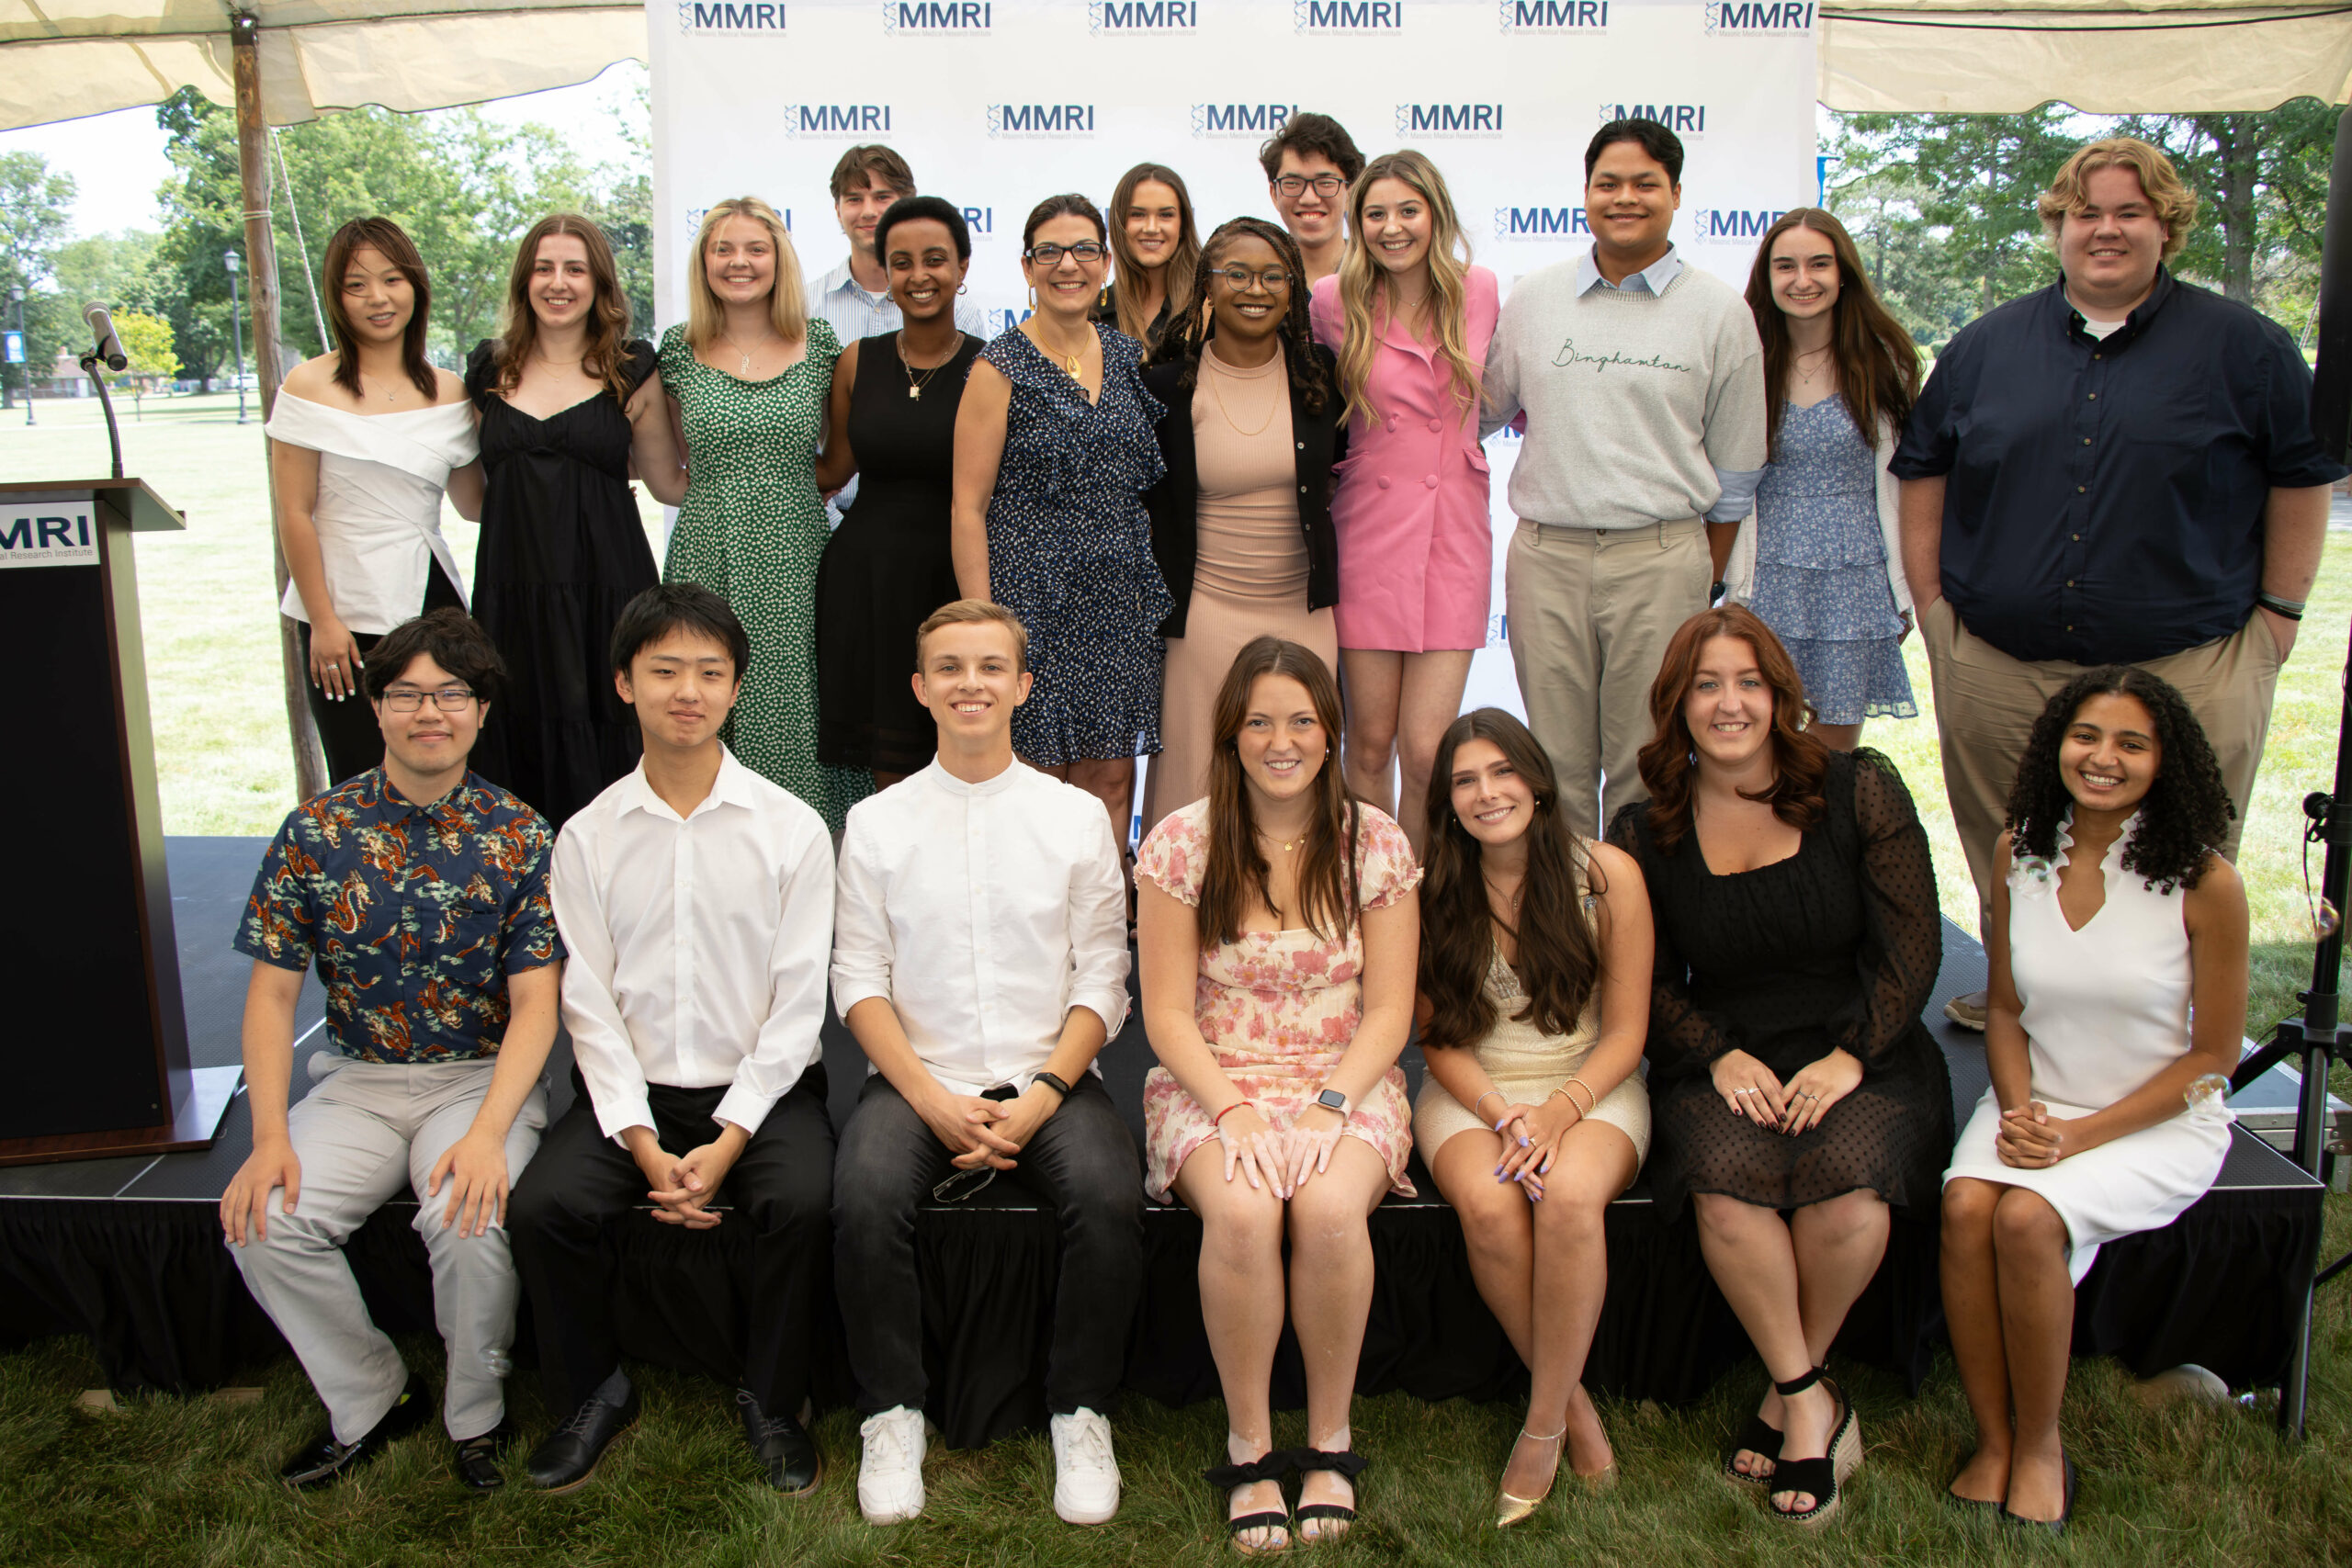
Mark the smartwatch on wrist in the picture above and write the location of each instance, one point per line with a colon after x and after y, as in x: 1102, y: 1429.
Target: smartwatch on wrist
x: 1052, y: 1082
x: 1332, y: 1099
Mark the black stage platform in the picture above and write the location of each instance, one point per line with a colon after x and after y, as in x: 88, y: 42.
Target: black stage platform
x: 127, y: 1251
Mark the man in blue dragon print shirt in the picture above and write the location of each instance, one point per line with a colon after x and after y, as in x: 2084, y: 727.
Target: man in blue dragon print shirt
x: 420, y: 891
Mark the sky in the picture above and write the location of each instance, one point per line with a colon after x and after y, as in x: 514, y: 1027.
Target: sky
x: 117, y: 160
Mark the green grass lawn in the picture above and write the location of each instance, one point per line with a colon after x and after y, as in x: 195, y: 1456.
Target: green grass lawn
x: 174, y: 1481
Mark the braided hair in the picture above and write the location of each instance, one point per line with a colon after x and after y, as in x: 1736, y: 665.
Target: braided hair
x: 1187, y: 336
x: 2187, y: 811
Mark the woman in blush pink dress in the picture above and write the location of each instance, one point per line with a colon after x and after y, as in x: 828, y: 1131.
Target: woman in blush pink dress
x: 1410, y: 319
x: 1279, y: 929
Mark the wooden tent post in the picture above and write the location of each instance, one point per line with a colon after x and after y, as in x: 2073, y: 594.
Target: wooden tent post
x: 261, y: 278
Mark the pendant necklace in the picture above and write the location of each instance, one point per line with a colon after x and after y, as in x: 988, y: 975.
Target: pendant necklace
x: 914, y: 387
x: 745, y: 371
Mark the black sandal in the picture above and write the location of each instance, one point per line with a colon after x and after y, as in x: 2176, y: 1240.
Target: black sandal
x: 2066, y: 1512
x: 1758, y: 1437
x: 1820, y: 1477
x: 1348, y: 1465
x: 1273, y: 1466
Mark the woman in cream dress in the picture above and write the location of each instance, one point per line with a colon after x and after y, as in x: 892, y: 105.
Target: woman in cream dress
x: 364, y: 442
x: 1535, y: 1007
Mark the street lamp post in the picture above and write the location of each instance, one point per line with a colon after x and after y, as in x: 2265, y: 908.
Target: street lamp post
x: 236, y: 332
x: 17, y: 298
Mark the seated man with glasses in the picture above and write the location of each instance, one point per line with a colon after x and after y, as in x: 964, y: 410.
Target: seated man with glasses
x: 421, y: 890
x: 981, y: 959
x: 696, y: 899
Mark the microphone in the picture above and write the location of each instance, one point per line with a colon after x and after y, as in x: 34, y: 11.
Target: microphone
x: 101, y: 323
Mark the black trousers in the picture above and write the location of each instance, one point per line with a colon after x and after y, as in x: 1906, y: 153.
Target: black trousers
x: 581, y: 1180
x: 348, y: 731
x: 1082, y: 1160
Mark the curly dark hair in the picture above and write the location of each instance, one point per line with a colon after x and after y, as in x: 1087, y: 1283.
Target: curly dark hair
x: 2187, y: 811
x: 1187, y: 335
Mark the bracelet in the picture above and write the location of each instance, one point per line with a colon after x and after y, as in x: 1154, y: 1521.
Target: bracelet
x: 1052, y: 1082
x: 1582, y: 1110
x: 1482, y: 1100
x: 1229, y: 1110
x: 2285, y: 609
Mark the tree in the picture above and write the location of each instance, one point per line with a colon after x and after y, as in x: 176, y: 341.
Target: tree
x: 147, y: 347
x: 36, y: 211
x: 2261, y: 181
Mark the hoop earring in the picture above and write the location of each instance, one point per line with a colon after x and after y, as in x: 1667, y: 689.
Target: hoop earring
x: 963, y: 289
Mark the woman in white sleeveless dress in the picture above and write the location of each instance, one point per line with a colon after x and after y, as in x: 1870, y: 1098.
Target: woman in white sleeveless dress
x: 364, y: 442
x: 2113, y: 919
x: 1535, y: 1007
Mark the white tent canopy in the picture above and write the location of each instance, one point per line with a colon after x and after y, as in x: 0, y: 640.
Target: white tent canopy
x: 70, y: 58
x: 2127, y: 57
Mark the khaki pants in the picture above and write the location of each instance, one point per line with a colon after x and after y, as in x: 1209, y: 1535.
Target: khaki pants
x: 1987, y: 703
x: 1590, y: 612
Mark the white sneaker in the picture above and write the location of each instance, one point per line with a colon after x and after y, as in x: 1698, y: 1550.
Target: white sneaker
x: 890, y: 1471
x: 1086, y: 1477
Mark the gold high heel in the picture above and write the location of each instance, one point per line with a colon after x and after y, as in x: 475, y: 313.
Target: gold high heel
x: 1510, y: 1510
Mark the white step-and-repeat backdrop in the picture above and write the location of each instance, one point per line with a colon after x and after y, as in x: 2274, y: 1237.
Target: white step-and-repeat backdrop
x: 996, y: 103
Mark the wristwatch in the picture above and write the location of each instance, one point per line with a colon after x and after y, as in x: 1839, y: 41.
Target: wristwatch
x: 1052, y: 1082
x: 1332, y: 1099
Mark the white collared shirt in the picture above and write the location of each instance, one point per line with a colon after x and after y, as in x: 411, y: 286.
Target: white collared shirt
x: 698, y: 944
x: 982, y: 913
x: 1651, y: 279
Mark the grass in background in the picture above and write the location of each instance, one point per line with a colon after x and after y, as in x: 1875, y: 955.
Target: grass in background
x: 191, y: 1481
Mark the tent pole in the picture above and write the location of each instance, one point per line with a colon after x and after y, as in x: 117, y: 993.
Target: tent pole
x: 261, y: 274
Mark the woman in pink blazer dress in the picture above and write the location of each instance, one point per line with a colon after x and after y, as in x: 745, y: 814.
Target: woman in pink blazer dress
x: 1410, y: 320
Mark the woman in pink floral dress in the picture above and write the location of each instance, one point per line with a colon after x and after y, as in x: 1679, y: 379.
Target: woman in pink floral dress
x: 1278, y: 974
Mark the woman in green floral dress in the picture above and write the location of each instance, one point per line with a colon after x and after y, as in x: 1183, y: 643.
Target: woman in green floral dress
x: 747, y: 376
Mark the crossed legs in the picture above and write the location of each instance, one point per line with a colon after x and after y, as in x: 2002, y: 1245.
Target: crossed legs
x: 2010, y: 1304
x: 1790, y: 1283
x: 1244, y: 1300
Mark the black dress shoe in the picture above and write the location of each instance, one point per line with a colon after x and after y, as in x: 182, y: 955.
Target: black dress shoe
x: 567, y: 1459
x: 786, y: 1449
x: 476, y: 1461
x: 327, y: 1461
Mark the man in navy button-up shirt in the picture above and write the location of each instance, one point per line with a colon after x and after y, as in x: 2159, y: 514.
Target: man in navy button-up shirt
x: 2119, y: 468
x: 420, y: 891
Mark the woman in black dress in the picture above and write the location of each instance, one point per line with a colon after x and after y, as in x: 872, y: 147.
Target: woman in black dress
x: 889, y: 565
x: 564, y: 400
x: 1797, y: 941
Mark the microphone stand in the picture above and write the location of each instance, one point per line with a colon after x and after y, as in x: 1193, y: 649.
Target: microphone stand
x: 90, y: 362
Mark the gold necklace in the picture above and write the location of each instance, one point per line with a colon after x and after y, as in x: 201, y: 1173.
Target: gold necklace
x: 1217, y: 393
x: 914, y: 387
x: 1287, y: 844
x: 1072, y: 365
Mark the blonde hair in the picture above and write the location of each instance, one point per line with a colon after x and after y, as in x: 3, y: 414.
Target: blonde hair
x: 787, y: 305
x: 1361, y: 282
x: 972, y: 613
x: 2174, y: 202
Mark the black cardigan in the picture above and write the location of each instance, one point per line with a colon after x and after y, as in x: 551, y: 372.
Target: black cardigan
x: 1321, y: 441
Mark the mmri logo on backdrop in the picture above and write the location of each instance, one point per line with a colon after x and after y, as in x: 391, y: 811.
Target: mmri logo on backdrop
x: 1683, y: 120
x: 935, y: 15
x: 1055, y: 120
x: 1163, y: 16
x: 1347, y: 15
x: 694, y: 217
x: 845, y: 122
x: 1555, y: 16
x: 1255, y: 121
x: 759, y: 17
x: 1730, y: 225
x: 1760, y: 15
x: 1541, y: 224
x: 1459, y: 121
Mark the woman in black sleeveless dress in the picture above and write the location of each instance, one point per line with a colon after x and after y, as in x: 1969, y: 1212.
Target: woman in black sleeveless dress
x: 564, y: 401
x: 889, y: 565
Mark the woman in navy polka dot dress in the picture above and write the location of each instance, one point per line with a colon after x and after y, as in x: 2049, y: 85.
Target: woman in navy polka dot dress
x: 1054, y: 449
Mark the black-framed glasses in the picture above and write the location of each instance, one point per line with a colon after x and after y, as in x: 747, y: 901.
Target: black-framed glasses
x: 1274, y: 280
x: 1324, y: 185
x: 1051, y: 255
x: 408, y: 699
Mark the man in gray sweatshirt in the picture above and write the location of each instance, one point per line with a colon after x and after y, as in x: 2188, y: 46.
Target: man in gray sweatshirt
x: 1641, y: 381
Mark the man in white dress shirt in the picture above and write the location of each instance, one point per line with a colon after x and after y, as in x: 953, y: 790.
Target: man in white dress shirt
x: 702, y: 897
x: 981, y: 959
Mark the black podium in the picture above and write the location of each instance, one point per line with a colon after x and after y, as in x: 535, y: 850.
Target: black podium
x: 93, y: 1057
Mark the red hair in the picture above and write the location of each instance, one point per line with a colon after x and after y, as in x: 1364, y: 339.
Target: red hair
x: 1799, y: 760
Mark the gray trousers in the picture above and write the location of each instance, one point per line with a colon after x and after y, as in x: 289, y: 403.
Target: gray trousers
x: 365, y: 1131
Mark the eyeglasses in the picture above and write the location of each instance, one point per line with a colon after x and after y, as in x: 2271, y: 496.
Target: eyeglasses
x: 1324, y: 185
x: 408, y: 699
x: 1274, y: 280
x: 1050, y: 256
